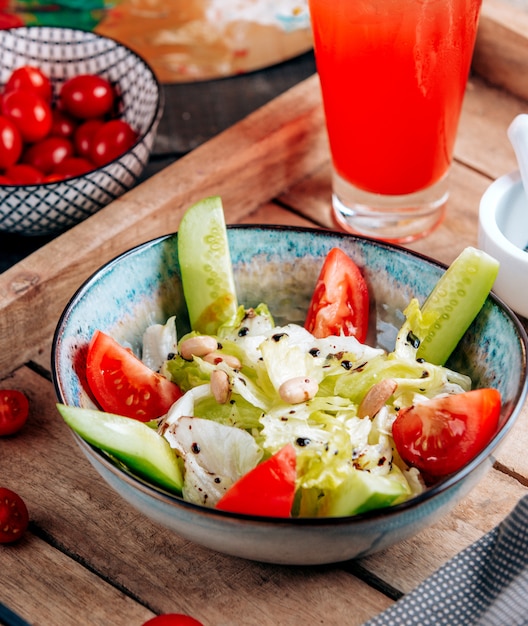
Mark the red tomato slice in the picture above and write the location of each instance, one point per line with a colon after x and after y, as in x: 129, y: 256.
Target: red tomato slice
x: 14, y: 409
x: 340, y: 302
x: 267, y: 490
x: 442, y: 435
x: 14, y: 516
x: 123, y: 385
x: 173, y: 619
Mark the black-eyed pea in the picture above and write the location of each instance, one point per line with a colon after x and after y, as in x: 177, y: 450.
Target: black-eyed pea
x: 200, y: 345
x: 218, y: 357
x: 298, y: 389
x: 220, y: 386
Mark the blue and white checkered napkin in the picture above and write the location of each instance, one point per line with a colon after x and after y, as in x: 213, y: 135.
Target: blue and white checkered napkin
x: 485, y: 585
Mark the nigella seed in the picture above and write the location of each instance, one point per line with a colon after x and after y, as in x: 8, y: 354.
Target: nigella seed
x: 195, y: 448
x: 381, y: 461
x: 425, y: 374
x: 303, y: 441
x: 279, y: 336
x: 170, y: 356
x: 218, y: 480
x: 243, y: 331
x: 315, y: 352
x: 413, y: 340
x: 347, y: 365
x: 420, y: 360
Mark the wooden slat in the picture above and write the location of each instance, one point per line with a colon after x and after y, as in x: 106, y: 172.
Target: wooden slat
x: 501, y: 50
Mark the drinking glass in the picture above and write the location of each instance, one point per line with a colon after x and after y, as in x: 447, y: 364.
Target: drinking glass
x: 393, y: 75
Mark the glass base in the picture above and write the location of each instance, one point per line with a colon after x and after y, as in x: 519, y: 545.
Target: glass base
x: 397, y: 219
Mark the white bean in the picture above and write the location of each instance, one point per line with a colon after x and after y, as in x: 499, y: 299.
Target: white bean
x: 200, y: 345
x: 376, y: 397
x: 220, y: 386
x: 298, y: 389
x: 217, y: 357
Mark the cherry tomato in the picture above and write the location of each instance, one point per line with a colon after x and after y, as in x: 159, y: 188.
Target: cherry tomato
x: 86, y: 96
x: 111, y: 141
x: 14, y: 516
x: 73, y: 166
x: 30, y: 113
x: 440, y: 436
x: 84, y: 136
x: 30, y: 78
x: 172, y: 619
x: 22, y: 174
x: 10, y: 142
x: 340, y: 301
x: 123, y: 385
x: 62, y: 124
x: 14, y: 409
x: 268, y: 489
x: 4, y: 180
x: 47, y: 154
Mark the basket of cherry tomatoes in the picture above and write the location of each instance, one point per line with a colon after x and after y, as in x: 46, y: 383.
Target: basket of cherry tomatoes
x: 78, y: 118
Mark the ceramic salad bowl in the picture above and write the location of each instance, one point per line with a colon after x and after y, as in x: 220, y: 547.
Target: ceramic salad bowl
x: 279, y: 266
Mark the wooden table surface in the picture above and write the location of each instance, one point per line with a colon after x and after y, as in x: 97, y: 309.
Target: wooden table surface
x: 88, y: 557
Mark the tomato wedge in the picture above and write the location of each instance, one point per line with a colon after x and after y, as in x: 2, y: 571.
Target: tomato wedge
x: 442, y: 435
x: 14, y: 409
x: 268, y: 489
x: 14, y: 516
x: 340, y: 301
x: 125, y: 386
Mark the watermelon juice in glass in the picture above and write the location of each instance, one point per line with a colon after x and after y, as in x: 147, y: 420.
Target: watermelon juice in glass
x: 393, y: 75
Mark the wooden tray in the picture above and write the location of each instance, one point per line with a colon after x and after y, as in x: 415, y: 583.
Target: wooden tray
x: 89, y: 558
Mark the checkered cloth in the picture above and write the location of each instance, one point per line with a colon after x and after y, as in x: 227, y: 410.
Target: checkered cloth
x: 485, y: 585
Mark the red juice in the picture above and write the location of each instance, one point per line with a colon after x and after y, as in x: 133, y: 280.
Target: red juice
x: 393, y: 75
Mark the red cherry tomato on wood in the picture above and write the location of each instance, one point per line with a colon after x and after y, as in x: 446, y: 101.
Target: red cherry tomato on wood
x: 30, y: 78
x: 73, y: 166
x: 340, y: 301
x: 111, y: 140
x: 30, y: 113
x: 62, y: 124
x: 47, y: 154
x: 173, y: 619
x: 268, y: 489
x: 10, y: 142
x: 123, y: 385
x: 22, y: 174
x: 86, y: 96
x: 14, y: 516
x: 440, y: 436
x: 84, y: 136
x: 14, y: 409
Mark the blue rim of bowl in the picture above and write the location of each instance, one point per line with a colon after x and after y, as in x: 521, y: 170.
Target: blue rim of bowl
x: 155, y: 118
x: 427, y: 495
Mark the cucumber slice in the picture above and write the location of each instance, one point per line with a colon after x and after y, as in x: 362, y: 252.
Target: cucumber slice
x: 140, y: 448
x: 455, y: 302
x: 205, y: 264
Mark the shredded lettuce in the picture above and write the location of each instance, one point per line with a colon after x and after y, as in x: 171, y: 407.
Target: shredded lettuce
x: 345, y: 463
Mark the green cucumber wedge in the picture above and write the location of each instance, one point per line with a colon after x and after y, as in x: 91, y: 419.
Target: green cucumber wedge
x: 205, y: 264
x: 454, y: 303
x: 136, y: 445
